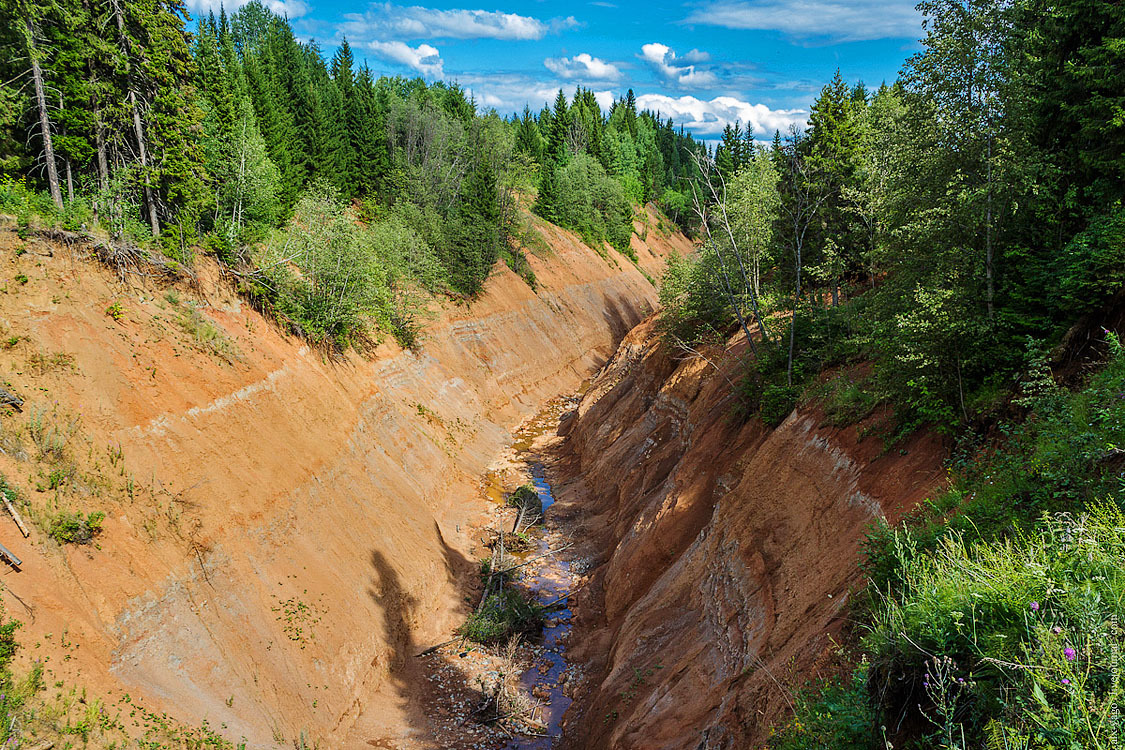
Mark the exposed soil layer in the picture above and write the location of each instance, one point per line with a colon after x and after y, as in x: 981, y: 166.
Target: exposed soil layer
x: 284, y: 529
x: 725, y: 551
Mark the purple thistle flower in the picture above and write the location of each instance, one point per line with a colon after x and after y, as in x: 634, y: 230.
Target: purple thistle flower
x: 1065, y: 681
x: 1035, y: 606
x: 1070, y: 653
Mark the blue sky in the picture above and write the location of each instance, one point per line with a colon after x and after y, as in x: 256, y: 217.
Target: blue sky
x: 704, y: 64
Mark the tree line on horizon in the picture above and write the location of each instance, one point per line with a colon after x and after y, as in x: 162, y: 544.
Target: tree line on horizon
x: 217, y: 135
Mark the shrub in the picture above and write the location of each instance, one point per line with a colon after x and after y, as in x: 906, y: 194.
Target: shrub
x: 74, y: 528
x: 25, y: 204
x: 526, y: 496
x: 694, y: 307
x: 593, y: 204
x: 1017, y: 637
x: 319, y: 273
x: 333, y: 279
x: 777, y: 401
x: 503, y: 615
x: 849, y: 400
x: 835, y: 715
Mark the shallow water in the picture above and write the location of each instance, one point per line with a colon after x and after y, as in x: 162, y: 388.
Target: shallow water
x: 550, y: 579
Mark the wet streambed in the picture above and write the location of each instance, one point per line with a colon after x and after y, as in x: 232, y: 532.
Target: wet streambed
x: 549, y: 579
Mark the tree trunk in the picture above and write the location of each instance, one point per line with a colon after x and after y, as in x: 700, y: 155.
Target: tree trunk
x: 793, y: 317
x: 991, y: 290
x: 69, y: 183
x: 138, y: 128
x: 734, y: 301
x: 103, y: 162
x: 142, y: 148
x: 44, y: 121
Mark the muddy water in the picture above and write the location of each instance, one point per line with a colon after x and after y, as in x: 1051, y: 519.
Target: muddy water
x: 549, y: 582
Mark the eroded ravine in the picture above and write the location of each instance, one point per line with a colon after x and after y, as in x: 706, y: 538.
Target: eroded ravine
x: 282, y: 480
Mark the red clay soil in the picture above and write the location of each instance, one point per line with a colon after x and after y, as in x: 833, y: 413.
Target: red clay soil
x: 284, y: 529
x: 725, y: 551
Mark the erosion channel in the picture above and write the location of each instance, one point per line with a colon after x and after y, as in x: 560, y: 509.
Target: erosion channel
x: 520, y: 682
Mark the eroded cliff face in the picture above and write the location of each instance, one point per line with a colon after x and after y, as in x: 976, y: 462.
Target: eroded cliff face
x: 283, y: 529
x: 726, y: 550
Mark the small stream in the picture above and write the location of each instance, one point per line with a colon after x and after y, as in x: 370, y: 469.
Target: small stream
x: 548, y: 579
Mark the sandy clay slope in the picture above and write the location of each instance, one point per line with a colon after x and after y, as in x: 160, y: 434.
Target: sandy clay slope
x: 283, y: 529
x: 724, y: 552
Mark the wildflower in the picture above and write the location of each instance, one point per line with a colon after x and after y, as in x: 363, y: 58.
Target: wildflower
x: 1070, y: 653
x: 1035, y: 606
x: 1065, y: 681
x: 1056, y: 630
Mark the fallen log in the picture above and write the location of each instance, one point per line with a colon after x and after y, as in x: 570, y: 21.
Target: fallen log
x: 432, y: 649
x: 11, y: 558
x: 15, y: 515
x: 7, y: 398
x: 530, y: 560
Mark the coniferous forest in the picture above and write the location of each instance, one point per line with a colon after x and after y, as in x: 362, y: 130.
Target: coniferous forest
x: 228, y: 135
x: 941, y: 252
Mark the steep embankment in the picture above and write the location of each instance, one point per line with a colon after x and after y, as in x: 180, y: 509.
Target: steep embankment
x: 282, y: 528
x: 730, y: 548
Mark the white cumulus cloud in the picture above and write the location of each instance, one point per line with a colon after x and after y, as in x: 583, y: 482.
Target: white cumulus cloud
x: 842, y: 20
x: 662, y: 59
x: 386, y: 21
x: 706, y: 118
x: 423, y: 58
x: 582, y: 67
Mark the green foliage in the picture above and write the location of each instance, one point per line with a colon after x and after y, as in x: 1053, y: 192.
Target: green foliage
x: 1025, y: 632
x: 19, y: 200
x: 776, y: 402
x: 834, y: 715
x: 593, y: 204
x: 504, y: 614
x: 75, y: 528
x: 331, y: 278
x: 526, y: 498
x: 994, y: 615
x: 216, y: 138
x: 14, y: 693
x: 1062, y: 458
x: 694, y: 308
x: 1094, y: 263
x: 848, y: 400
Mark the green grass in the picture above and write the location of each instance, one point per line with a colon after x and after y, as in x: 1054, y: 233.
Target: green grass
x: 833, y: 715
x: 993, y: 616
x: 75, y: 528
x: 1018, y: 637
